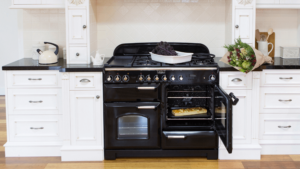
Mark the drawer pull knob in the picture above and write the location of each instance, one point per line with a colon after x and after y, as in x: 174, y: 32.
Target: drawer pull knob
x: 77, y: 54
x: 35, y: 79
x: 97, y: 97
x: 36, y: 128
x: 85, y: 80
x: 84, y: 26
x: 146, y: 107
x: 284, y: 126
x: 237, y: 26
x: 176, y: 137
x: 236, y: 80
x: 36, y: 101
x: 285, y: 78
x: 285, y: 100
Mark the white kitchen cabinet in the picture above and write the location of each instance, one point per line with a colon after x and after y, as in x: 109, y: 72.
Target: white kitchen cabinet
x: 77, y: 26
x: 78, y: 55
x: 243, y: 27
x: 37, y: 4
x: 86, y: 118
x: 289, y: 2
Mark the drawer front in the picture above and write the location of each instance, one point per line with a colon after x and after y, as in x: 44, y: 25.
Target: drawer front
x: 236, y: 80
x: 86, y: 81
x: 280, y: 100
x: 282, y: 77
x: 189, y: 140
x: 33, y: 79
x: 78, y: 55
x: 279, y: 126
x: 35, y: 128
x: 34, y: 101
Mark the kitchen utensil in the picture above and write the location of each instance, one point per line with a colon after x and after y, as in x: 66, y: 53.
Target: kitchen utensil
x: 257, y: 35
x: 270, y: 32
x: 271, y: 40
x: 289, y: 52
x: 181, y: 58
x: 99, y: 58
x: 48, y: 57
x: 203, y: 55
x: 35, y: 56
x: 263, y: 47
x: 263, y: 37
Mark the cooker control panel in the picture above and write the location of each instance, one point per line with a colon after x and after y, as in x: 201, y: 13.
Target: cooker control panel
x: 178, y: 77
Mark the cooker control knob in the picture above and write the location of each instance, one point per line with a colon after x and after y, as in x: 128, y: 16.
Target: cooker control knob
x: 141, y: 78
x: 117, y: 78
x: 156, y: 78
x: 164, y: 78
x: 109, y: 78
x: 180, y: 78
x: 148, y: 78
x: 125, y: 78
x: 213, y: 77
x: 173, y: 78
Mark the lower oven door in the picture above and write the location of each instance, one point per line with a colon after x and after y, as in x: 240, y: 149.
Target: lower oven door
x: 223, y: 115
x: 131, y: 125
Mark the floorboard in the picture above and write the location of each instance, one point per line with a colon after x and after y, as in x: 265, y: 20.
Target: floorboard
x: 266, y: 162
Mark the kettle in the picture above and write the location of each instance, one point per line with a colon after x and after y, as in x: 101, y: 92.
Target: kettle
x: 99, y: 58
x: 48, y: 57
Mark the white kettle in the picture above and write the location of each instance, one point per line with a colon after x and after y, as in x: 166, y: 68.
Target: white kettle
x: 99, y: 58
x: 48, y: 57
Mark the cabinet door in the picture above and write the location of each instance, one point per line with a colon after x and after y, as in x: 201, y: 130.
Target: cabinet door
x: 53, y: 2
x: 86, y: 118
x: 289, y: 2
x: 77, y: 26
x: 244, y: 25
x: 27, y: 2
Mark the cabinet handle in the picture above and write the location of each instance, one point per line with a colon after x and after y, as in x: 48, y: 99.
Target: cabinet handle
x: 85, y: 80
x: 34, y: 79
x: 284, y: 126
x: 237, y: 26
x: 176, y: 137
x: 77, y: 54
x: 285, y: 100
x: 97, y: 97
x: 146, y: 107
x: 84, y: 26
x: 283, y: 78
x: 146, y: 88
x: 36, y: 101
x: 36, y: 128
x: 236, y: 80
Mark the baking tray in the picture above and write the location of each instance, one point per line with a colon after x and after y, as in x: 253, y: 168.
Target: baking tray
x: 170, y: 115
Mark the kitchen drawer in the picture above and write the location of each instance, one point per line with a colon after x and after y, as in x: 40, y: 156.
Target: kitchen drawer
x: 34, y: 101
x: 35, y: 128
x: 236, y: 80
x: 280, y: 100
x: 33, y: 79
x: 189, y: 140
x: 279, y: 127
x: 78, y: 55
x: 280, y: 78
x: 85, y: 81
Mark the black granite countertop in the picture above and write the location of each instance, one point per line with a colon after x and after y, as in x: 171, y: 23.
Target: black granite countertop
x: 62, y: 66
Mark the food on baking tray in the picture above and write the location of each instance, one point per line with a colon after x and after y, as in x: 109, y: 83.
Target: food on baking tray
x: 220, y: 110
x: 163, y: 48
x: 189, y: 111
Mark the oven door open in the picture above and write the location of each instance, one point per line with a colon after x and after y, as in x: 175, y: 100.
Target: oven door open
x: 132, y: 125
x: 223, y: 115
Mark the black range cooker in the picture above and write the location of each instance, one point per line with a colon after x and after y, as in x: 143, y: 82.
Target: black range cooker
x: 140, y: 94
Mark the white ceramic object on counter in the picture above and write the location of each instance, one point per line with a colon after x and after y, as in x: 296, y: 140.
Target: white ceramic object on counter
x: 289, y: 52
x: 35, y: 55
x: 181, y: 58
x: 263, y: 47
x: 98, y: 59
x: 48, y: 57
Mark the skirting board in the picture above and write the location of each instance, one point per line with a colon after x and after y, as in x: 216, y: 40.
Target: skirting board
x: 241, y: 152
x: 13, y: 150
x: 277, y: 149
x: 71, y: 153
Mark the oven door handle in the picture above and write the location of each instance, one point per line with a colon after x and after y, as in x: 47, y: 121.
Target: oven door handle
x: 146, y: 107
x: 176, y: 137
x: 146, y: 87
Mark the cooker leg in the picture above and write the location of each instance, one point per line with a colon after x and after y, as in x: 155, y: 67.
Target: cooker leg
x: 212, y: 155
x: 110, y: 155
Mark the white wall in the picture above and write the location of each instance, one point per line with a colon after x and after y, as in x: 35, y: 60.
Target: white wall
x: 8, y: 38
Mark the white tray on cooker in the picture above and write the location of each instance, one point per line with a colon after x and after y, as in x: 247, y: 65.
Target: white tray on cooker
x: 181, y: 58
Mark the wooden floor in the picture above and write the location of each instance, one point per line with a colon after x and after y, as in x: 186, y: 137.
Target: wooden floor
x: 267, y: 162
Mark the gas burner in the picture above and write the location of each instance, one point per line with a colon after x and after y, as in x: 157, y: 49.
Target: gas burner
x: 145, y: 61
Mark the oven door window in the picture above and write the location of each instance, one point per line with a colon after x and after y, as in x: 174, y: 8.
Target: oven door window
x: 133, y: 127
